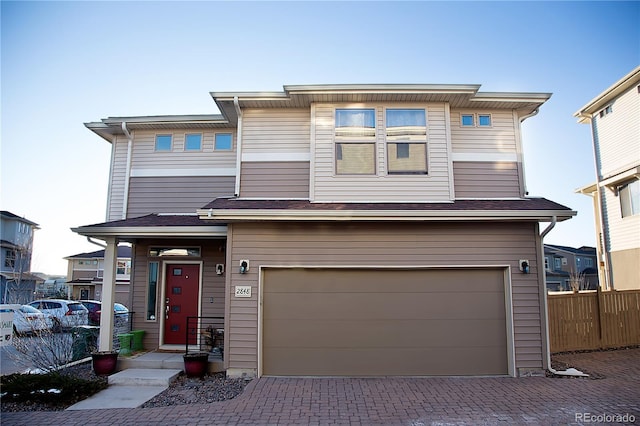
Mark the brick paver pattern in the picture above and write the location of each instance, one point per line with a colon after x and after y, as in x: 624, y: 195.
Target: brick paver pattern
x: 400, y: 401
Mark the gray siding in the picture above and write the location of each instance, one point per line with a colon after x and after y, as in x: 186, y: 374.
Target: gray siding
x: 212, y: 291
x: 464, y: 244
x: 117, y: 182
x: 278, y: 179
x: 486, y: 179
x: 181, y: 194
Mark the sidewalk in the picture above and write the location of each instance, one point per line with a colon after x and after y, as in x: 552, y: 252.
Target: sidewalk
x: 400, y: 401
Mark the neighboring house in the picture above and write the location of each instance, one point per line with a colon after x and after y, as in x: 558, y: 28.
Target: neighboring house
x: 17, y: 284
x: 85, y: 272
x: 568, y: 267
x: 359, y: 230
x: 51, y: 286
x: 614, y: 116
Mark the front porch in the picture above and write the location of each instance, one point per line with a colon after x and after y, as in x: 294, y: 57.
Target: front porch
x: 165, y: 360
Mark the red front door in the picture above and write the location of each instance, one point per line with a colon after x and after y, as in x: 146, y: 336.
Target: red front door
x: 181, y: 301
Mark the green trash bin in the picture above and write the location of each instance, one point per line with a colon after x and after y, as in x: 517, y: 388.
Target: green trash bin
x: 138, y: 335
x: 125, y: 343
x: 85, y: 341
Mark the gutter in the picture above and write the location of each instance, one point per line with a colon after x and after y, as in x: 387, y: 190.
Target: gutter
x: 571, y: 371
x: 125, y: 201
x: 236, y: 104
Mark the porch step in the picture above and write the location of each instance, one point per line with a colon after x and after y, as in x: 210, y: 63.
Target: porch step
x: 144, y: 377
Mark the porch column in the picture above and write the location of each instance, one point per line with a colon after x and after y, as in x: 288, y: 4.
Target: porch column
x: 108, y: 294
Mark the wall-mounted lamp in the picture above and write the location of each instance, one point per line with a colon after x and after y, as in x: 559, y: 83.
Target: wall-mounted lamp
x: 244, y: 266
x: 219, y: 269
x: 524, y: 266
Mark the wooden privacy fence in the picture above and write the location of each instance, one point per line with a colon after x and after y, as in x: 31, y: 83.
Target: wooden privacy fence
x: 594, y: 320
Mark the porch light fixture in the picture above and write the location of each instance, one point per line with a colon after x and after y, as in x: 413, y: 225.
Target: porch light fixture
x: 524, y: 266
x: 244, y: 266
x: 219, y: 269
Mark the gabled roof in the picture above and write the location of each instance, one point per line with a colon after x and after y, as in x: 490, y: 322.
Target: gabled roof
x: 123, y: 252
x: 10, y: 216
x: 535, y: 209
x: 619, y: 87
x: 584, y: 250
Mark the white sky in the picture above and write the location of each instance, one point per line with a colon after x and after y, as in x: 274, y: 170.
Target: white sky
x: 67, y: 63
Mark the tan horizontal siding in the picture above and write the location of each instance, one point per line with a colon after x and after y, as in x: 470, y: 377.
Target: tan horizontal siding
x: 145, y: 157
x: 118, y: 177
x: 434, y: 186
x: 486, y: 179
x: 175, y: 194
x: 464, y: 244
x: 276, y: 130
x: 280, y: 179
x: 213, y: 284
x: 499, y: 138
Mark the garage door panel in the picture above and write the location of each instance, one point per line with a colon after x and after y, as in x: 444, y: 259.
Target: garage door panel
x: 365, y: 281
x: 366, y: 362
x: 370, y: 322
x: 424, y: 305
x: 340, y: 334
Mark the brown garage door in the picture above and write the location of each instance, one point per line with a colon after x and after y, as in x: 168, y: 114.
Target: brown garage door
x: 365, y: 322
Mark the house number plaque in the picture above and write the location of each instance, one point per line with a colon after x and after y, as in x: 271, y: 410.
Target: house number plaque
x: 243, y: 291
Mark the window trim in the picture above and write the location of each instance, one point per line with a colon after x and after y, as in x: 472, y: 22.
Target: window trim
x: 339, y: 140
x: 473, y: 120
x: 186, y: 137
x: 159, y: 135
x: 408, y: 142
x: 475, y: 117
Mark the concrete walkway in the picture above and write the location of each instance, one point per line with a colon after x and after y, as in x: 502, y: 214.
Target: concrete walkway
x: 402, y: 401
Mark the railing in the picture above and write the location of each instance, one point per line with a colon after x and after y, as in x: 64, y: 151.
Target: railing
x: 205, y: 334
x: 594, y: 320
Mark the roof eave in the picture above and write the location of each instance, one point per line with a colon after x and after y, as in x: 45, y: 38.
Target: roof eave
x: 585, y: 113
x: 386, y: 215
x: 151, y: 231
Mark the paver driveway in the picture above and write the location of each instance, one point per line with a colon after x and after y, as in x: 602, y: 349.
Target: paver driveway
x: 402, y: 401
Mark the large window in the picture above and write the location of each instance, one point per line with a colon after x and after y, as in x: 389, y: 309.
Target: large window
x: 629, y: 194
x: 406, y: 131
x: 355, y: 141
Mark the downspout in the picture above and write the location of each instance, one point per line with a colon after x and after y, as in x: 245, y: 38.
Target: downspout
x: 535, y: 112
x: 236, y: 104
x: 570, y: 371
x: 125, y: 201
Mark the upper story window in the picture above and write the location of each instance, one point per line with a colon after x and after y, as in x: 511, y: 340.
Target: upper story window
x: 557, y: 263
x: 163, y: 142
x: 629, y: 194
x: 223, y: 142
x: 9, y: 258
x: 355, y: 136
x: 546, y: 263
x: 193, y: 142
x: 406, y: 132
x: 475, y: 120
x: 606, y: 111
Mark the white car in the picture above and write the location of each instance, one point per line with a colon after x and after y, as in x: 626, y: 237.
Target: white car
x: 66, y: 313
x: 27, y: 319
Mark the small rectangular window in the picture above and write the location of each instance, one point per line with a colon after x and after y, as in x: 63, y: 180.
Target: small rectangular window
x: 355, y: 158
x: 163, y: 142
x: 355, y: 124
x: 193, y: 142
x: 467, y: 120
x: 174, y: 251
x: 224, y: 142
x: 484, y: 120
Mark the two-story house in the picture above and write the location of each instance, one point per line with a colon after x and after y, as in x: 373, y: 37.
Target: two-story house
x: 17, y: 284
x: 85, y: 272
x: 614, y: 116
x: 569, y: 268
x: 360, y: 230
